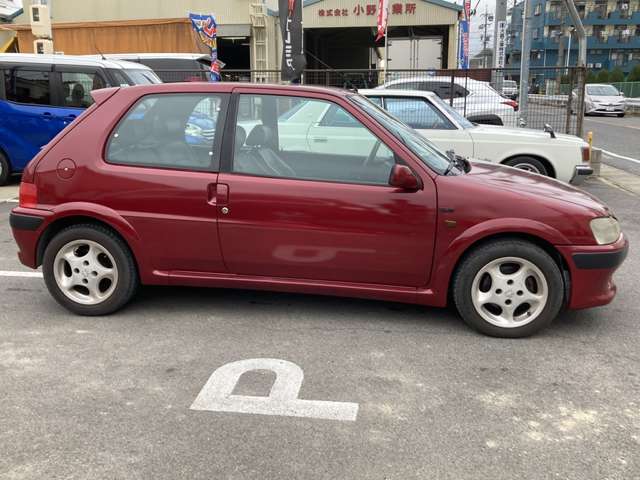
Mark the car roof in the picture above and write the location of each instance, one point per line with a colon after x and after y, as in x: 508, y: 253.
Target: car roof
x: 390, y: 92
x: 227, y: 87
x: 437, y: 78
x: 183, y: 56
x: 77, y: 60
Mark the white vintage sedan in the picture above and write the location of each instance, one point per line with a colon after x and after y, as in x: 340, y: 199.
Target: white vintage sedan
x: 565, y: 157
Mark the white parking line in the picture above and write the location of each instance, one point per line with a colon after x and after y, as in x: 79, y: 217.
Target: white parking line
x: 9, y: 273
x: 622, y: 157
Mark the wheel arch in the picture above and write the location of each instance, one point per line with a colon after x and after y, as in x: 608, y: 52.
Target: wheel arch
x: 537, y: 240
x: 79, y: 219
x: 547, y: 164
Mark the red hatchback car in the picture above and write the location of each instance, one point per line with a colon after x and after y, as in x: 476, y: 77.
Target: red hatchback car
x: 302, y: 189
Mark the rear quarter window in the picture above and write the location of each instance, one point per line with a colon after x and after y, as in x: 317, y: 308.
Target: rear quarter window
x: 175, y: 131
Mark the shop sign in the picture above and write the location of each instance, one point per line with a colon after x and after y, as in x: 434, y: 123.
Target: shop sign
x: 368, y: 9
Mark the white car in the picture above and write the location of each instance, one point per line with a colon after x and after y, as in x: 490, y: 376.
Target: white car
x: 564, y: 157
x: 476, y: 100
x: 510, y: 89
x: 603, y: 99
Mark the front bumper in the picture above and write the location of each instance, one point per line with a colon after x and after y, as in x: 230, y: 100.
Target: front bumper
x: 605, y: 109
x: 591, y: 270
x: 580, y: 173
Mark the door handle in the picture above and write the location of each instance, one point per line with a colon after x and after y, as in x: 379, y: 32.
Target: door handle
x: 320, y: 139
x: 71, y: 116
x: 47, y: 115
x: 218, y: 194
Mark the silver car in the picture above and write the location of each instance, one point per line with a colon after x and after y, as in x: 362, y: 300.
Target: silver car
x: 602, y: 99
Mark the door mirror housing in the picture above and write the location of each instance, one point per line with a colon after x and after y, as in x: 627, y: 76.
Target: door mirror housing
x: 403, y: 177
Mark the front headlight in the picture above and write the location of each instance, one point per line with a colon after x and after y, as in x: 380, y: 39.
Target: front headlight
x: 605, y: 230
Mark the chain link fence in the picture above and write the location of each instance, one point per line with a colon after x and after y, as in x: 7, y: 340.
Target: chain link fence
x: 487, y: 96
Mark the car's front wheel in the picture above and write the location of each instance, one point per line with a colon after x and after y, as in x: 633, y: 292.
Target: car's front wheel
x: 89, y: 270
x: 508, y: 288
x: 528, y: 164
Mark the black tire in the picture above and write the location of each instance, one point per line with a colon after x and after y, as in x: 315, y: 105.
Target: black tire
x: 620, y: 115
x: 5, y: 170
x: 526, y: 163
x: 478, y: 258
x: 126, y: 284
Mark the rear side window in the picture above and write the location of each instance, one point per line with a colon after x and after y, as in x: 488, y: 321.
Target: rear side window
x: 417, y: 113
x: 76, y: 88
x: 28, y: 86
x: 141, y: 77
x: 178, y: 131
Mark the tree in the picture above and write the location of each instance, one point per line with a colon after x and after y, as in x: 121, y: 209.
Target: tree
x: 634, y: 76
x: 603, y: 76
x: 592, y: 77
x: 617, y: 75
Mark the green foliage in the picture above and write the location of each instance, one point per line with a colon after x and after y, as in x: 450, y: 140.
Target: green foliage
x: 634, y: 75
x: 617, y: 75
x: 603, y: 76
x: 592, y: 77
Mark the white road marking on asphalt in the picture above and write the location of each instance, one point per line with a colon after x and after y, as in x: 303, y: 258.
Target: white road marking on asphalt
x: 8, y: 273
x: 622, y: 157
x: 283, y: 400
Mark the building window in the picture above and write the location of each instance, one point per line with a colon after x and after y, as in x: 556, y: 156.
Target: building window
x: 538, y: 9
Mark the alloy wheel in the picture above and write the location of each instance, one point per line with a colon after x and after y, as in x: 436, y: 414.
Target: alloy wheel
x: 85, y: 272
x: 509, y: 292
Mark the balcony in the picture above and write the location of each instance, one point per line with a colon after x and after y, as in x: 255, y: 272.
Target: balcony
x: 616, y: 17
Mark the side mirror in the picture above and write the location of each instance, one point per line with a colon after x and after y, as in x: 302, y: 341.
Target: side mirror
x: 402, y: 177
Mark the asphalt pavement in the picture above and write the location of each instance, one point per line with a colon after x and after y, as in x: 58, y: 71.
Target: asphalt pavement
x: 110, y: 397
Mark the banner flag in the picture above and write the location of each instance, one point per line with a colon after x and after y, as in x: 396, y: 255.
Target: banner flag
x: 206, y: 28
x: 293, y: 59
x: 383, y: 14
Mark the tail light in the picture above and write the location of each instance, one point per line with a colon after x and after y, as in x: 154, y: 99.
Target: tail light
x: 28, y: 195
x: 512, y: 103
x: 586, y: 154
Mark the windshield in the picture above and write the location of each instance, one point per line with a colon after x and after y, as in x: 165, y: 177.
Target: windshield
x: 142, y: 77
x: 420, y: 146
x: 603, y: 90
x: 453, y: 113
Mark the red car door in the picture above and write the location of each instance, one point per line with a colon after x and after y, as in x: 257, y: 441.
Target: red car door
x: 293, y: 213
x: 163, y: 155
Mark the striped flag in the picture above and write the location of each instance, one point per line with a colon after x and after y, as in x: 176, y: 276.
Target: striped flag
x: 383, y: 13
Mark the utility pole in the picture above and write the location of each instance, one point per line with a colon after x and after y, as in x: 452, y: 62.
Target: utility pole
x: 524, y: 64
x: 485, y: 39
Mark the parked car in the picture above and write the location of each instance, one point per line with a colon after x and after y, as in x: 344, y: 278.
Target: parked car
x: 476, y: 100
x: 510, y: 89
x: 564, y: 157
x: 170, y: 67
x: 602, y: 99
x: 121, y: 198
x: 41, y: 94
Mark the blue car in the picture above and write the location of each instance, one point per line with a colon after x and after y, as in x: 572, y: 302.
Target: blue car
x: 42, y: 94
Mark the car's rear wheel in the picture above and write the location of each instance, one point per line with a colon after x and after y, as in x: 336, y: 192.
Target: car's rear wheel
x: 508, y: 288
x: 620, y: 115
x: 89, y: 270
x: 528, y: 164
x: 5, y: 171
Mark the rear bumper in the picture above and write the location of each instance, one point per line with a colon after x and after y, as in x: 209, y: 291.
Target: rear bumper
x: 591, y: 269
x: 580, y: 173
x: 27, y: 226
